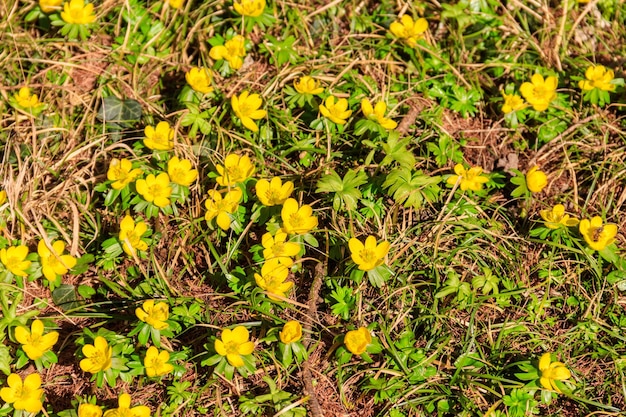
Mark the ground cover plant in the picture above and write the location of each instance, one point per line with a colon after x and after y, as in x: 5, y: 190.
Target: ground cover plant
x: 342, y: 208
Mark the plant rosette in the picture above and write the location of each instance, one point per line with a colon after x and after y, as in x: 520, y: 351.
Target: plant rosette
x: 548, y: 376
x: 104, y: 355
x: 36, y: 345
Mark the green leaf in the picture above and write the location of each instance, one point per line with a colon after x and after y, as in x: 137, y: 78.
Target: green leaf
x: 411, y: 189
x: 65, y: 297
x: 346, y: 189
x: 119, y: 112
x: 5, y: 360
x: 396, y: 150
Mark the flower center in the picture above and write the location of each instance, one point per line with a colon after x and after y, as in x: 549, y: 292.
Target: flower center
x: 539, y: 91
x: 231, y: 348
x: 296, y: 220
x: 271, y: 197
x: 368, y: 255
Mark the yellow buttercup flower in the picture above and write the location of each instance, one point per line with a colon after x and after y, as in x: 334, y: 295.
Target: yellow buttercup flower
x: 121, y: 172
x: 369, y: 255
x: 552, y: 371
x: 247, y: 109
x: 49, y: 6
x: 597, y: 77
x: 252, y: 8
x: 130, y: 235
x: 236, y: 169
x: 155, y: 190
x: 272, y: 279
x: 277, y: 247
x: 156, y: 363
x: 160, y: 138
x: 125, y: 410
x: 53, y: 263
x: 199, y: 79
x: 98, y: 357
x: 24, y: 395
x: 25, y: 99
x: 180, y: 171
x: 297, y: 220
x: 377, y: 113
x: 512, y: 102
x: 3, y: 197
x: 89, y: 410
x: 291, y: 333
x: 336, y: 111
x: 232, y: 51
x: 308, y: 85
x: 597, y: 235
x: 557, y: 218
x: 356, y: 341
x: 34, y: 343
x: 274, y: 192
x: 471, y: 179
x: 153, y: 313
x: 78, y: 13
x: 536, y: 180
x: 174, y: 4
x: 408, y: 30
x: 222, y: 207
x: 234, y: 344
x: 14, y: 259
x: 539, y: 92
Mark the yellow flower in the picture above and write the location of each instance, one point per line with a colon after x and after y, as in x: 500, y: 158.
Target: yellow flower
x: 377, y: 113
x: 297, y: 220
x: 556, y: 217
x: 121, y: 172
x: 25, y: 99
x: 49, y: 6
x: 236, y: 169
x: 155, y: 362
x: 174, y: 4
x: 597, y: 77
x: 124, y: 409
x: 369, y: 255
x: 291, y: 333
x: 247, y: 109
x: 98, y: 357
x: 536, y: 180
x: 78, y: 13
x: 159, y: 139
x: 14, y: 259
x: 337, y: 112
x: 34, y: 342
x: 89, y: 410
x: 356, y: 341
x: 512, y: 102
x: 308, y: 85
x: 232, y: 51
x: 155, y: 190
x: 234, y: 344
x: 277, y: 247
x: 597, y: 235
x: 409, y: 30
x: 199, y: 79
x: 23, y: 395
x: 274, y: 192
x: 552, y: 371
x: 222, y: 208
x: 470, y: 178
x: 272, y: 279
x: 130, y: 235
x: 252, y: 8
x: 53, y: 263
x: 180, y: 171
x: 539, y: 92
x: 3, y: 197
x: 155, y: 314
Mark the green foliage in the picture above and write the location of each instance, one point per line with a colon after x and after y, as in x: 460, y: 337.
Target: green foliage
x: 411, y: 189
x: 347, y: 193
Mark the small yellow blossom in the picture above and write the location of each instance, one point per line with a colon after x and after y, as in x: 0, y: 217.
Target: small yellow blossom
x: 89, y: 410
x: 308, y: 85
x: 130, y: 235
x: 236, y: 169
x: 222, y: 207
x: 297, y: 220
x: 356, y: 341
x: 78, y: 13
x: 247, y: 108
x: 124, y: 409
x: 252, y: 8
x: 180, y: 171
x: 232, y: 51
x: 200, y: 79
x: 277, y: 247
x: 49, y: 6
x: 24, y: 395
x: 34, y: 343
x: 272, y: 279
x: 539, y: 92
x: 160, y: 138
x: 336, y: 111
x: 155, y: 314
x: 174, y: 4
x: 53, y: 262
x: 369, y: 255
x: 597, y: 77
x: 377, y: 113
x: 557, y: 218
x: 25, y: 99
x: 156, y: 363
x: 536, y: 180
x: 512, y: 102
x: 98, y: 357
x: 597, y: 235
x: 471, y: 179
x: 274, y: 192
x: 121, y: 172
x: 3, y: 197
x: 155, y: 190
x: 552, y: 371
x: 14, y: 259
x: 234, y: 344
x: 291, y: 333
x: 408, y: 30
